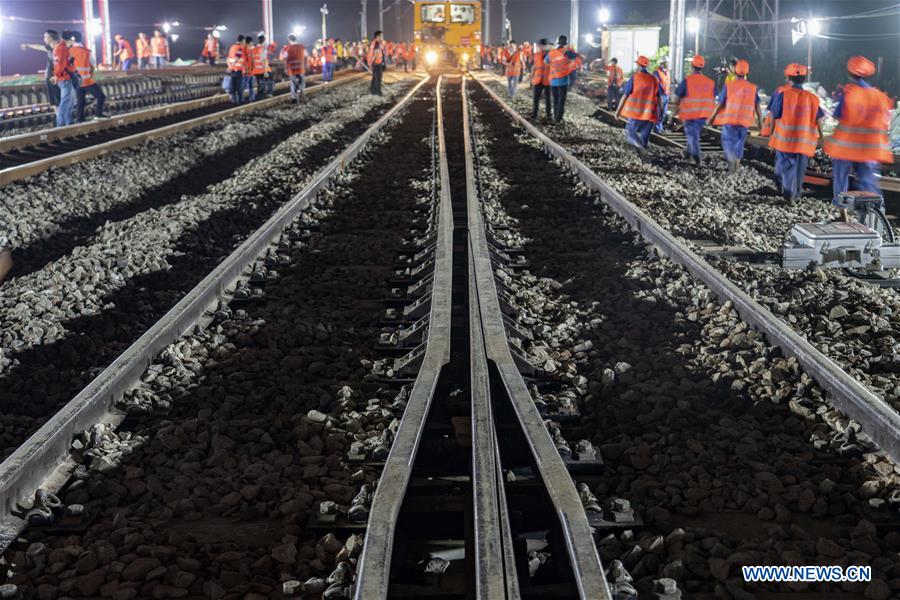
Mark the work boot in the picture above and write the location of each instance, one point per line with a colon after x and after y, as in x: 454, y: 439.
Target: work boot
x: 732, y: 167
x: 698, y: 160
x: 685, y: 154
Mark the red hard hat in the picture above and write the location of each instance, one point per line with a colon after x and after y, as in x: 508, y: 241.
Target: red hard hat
x: 742, y: 67
x: 643, y: 61
x: 698, y: 61
x: 795, y: 69
x: 860, y: 66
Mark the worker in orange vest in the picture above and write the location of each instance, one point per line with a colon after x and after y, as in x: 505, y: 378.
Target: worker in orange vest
x: 62, y: 77
x: 615, y: 77
x: 411, y: 56
x: 376, y: 59
x: 662, y: 75
x: 640, y: 105
x: 797, y: 128
x: 159, y: 50
x: 210, y: 51
x: 143, y: 50
x: 766, y: 130
x: 237, y: 66
x: 540, y: 79
x: 261, y: 71
x: 860, y: 140
x: 84, y: 66
x: 293, y: 55
x: 124, y: 52
x: 738, y: 105
x: 329, y: 55
x: 561, y: 62
x: 695, y: 100
x: 512, y: 62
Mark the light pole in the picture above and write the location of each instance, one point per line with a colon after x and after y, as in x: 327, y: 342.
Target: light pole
x: 363, y: 29
x: 693, y: 26
x: 813, y: 28
x: 573, y: 23
x: 381, y: 15
x: 487, y: 23
x: 324, y: 11
x: 603, y: 17
x: 503, y: 22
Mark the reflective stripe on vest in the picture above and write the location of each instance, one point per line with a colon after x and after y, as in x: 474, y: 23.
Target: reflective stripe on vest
x: 663, y: 81
x: 236, y: 57
x: 641, y: 104
x: 560, y: 65
x: 740, y: 101
x: 294, y: 63
x: 514, y: 64
x: 81, y: 59
x: 796, y: 130
x: 862, y: 133
x: 260, y: 61
x: 700, y: 100
x: 540, y: 74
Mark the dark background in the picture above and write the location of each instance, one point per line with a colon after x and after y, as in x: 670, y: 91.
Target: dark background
x: 531, y: 19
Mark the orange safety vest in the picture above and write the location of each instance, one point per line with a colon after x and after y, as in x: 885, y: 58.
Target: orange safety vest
x: 641, y: 104
x: 796, y: 130
x: 540, y: 73
x: 126, y: 50
x: 375, y: 55
x: 663, y: 80
x: 862, y: 131
x: 560, y: 65
x: 211, y: 47
x: 236, y: 57
x: 514, y: 64
x: 294, y: 57
x: 700, y: 101
x: 740, y: 101
x: 766, y: 130
x: 328, y: 54
x: 259, y: 60
x: 615, y: 75
x: 158, y: 46
x: 143, y: 48
x: 81, y: 59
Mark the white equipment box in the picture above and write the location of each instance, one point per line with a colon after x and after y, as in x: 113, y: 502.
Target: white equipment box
x: 846, y: 245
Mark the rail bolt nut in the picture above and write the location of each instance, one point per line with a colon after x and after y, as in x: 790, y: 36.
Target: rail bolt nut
x: 291, y: 588
x: 9, y: 590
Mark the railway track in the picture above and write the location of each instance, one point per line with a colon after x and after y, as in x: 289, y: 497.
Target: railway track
x: 28, y: 154
x: 284, y: 440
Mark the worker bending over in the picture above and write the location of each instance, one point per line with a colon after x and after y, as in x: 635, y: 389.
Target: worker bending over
x: 562, y: 63
x: 797, y: 126
x: 641, y: 105
x: 293, y: 55
x: 124, y: 52
x: 737, y: 106
x: 860, y: 140
x: 84, y: 66
x: 540, y: 79
x: 662, y: 75
x: 695, y: 101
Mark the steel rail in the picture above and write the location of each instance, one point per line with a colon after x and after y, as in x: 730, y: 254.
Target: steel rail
x: 373, y: 573
x: 22, y: 171
x: 588, y: 572
x: 43, y: 461
x: 880, y: 422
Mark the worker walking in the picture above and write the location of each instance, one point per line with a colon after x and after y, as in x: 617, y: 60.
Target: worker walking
x: 738, y: 104
x: 860, y: 140
x: 84, y: 66
x: 61, y: 77
x: 561, y: 61
x: 640, y: 105
x: 513, y: 61
x: 766, y: 130
x: 376, y: 58
x: 293, y: 55
x: 329, y: 56
x: 797, y: 126
x: 662, y: 75
x: 614, y: 79
x: 540, y: 79
x: 260, y: 69
x: 237, y: 65
x: 695, y: 101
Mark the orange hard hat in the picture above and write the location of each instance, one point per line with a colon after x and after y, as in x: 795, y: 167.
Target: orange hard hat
x: 643, y: 61
x: 698, y: 61
x: 795, y: 69
x: 742, y: 67
x: 860, y: 66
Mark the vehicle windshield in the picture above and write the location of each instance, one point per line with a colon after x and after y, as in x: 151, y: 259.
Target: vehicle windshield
x: 433, y: 13
x: 462, y: 13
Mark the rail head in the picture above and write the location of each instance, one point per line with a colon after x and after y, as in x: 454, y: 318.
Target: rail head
x: 373, y: 574
x: 880, y: 422
x: 36, y: 462
x: 589, y: 576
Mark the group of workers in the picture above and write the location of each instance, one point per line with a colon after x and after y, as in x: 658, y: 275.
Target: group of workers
x: 149, y: 53
x: 793, y: 125
x: 70, y: 72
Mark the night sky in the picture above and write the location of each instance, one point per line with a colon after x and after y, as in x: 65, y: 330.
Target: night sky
x: 531, y: 19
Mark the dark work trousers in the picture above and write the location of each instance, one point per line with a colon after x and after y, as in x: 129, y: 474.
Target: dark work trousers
x: 559, y: 101
x: 538, y: 91
x: 377, y: 72
x: 237, y: 86
x: 52, y: 93
x: 81, y: 99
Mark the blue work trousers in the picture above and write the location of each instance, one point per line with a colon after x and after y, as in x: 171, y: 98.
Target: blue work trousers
x: 664, y: 106
x: 512, y: 83
x: 866, y: 176
x: 66, y: 102
x: 692, y: 130
x: 733, y: 137
x: 328, y: 71
x: 791, y: 170
x: 638, y: 132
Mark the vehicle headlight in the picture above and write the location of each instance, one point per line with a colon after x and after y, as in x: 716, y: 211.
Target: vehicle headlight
x: 431, y: 57
x: 465, y: 57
